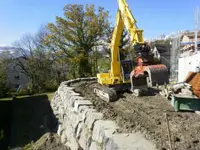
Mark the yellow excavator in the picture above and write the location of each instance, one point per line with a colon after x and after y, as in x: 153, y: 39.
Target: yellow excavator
x: 122, y: 74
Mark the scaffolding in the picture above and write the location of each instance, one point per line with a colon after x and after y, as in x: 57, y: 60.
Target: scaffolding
x: 196, y: 29
x: 174, y: 57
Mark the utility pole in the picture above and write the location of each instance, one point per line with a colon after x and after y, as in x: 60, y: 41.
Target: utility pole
x: 196, y: 28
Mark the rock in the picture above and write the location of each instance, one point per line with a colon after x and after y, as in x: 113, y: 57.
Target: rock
x: 78, y: 80
x: 73, y: 144
x: 60, y: 130
x: 73, y: 118
x: 72, y: 99
x: 86, y: 112
x: 79, y: 103
x: 103, y: 130
x: 95, y: 146
x: 79, y: 130
x: 59, y: 89
x: 69, y: 130
x: 82, y: 108
x: 133, y: 141
x: 63, y: 138
x: 85, y: 138
x: 65, y: 83
x: 186, y: 92
x: 91, y: 117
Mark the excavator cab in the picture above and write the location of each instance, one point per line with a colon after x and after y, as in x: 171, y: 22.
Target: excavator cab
x: 126, y: 69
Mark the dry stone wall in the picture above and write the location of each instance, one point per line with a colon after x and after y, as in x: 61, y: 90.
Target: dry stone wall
x: 80, y: 126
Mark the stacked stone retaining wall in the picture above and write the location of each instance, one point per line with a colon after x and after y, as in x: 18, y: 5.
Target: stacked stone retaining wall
x: 80, y: 126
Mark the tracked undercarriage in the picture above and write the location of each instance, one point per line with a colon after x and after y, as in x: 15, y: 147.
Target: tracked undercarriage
x: 149, y: 77
x: 106, y: 93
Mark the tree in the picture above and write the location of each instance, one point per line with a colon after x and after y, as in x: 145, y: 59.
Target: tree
x: 3, y: 76
x: 81, y: 29
x: 34, y: 61
x: 125, y: 47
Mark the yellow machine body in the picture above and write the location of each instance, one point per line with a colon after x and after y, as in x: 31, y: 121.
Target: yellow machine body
x: 124, y: 18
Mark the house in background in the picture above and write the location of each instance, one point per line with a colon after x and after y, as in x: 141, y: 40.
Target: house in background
x: 188, y: 44
x: 16, y: 78
x: 189, y: 60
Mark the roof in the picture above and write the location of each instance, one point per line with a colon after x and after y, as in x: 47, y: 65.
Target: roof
x: 186, y: 43
x: 191, y: 34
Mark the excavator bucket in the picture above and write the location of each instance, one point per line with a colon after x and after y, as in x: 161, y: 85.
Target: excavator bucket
x: 151, y: 76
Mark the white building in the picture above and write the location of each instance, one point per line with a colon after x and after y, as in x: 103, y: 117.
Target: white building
x: 189, y: 60
x: 16, y: 78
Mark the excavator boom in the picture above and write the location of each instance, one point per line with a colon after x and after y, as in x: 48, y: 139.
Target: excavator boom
x: 124, y: 18
x: 136, y: 35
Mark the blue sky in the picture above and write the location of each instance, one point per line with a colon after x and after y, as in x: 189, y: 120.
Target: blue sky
x: 155, y: 17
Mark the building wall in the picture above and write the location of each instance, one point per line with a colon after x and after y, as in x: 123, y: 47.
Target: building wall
x: 16, y: 78
x: 187, y: 64
x: 186, y: 39
x: 189, y: 39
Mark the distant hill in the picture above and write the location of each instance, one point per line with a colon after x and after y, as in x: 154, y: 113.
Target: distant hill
x: 10, y: 51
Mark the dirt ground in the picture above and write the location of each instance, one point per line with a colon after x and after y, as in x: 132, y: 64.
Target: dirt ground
x: 147, y: 115
x: 49, y: 141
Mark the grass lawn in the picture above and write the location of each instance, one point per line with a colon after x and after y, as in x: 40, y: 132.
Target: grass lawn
x: 6, y: 99
x: 50, y: 96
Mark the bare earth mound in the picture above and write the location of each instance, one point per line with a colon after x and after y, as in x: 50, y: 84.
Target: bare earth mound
x: 48, y: 141
x: 147, y: 115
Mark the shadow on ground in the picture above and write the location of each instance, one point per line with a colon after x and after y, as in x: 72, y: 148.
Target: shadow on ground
x: 30, y: 118
x: 5, y: 115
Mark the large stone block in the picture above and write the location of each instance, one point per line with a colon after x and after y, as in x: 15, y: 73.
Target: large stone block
x: 62, y: 95
x: 74, y: 119
x: 59, y: 89
x: 64, y: 83
x: 72, y: 144
x: 77, y: 80
x: 85, y: 138
x: 93, y: 78
x: 96, y: 146
x: 83, y: 79
x: 134, y: 141
x: 69, y: 129
x: 79, y: 130
x: 86, y: 111
x: 91, y: 117
x: 60, y: 129
x: 63, y: 138
x: 72, y: 99
x: 79, y: 103
x: 82, y: 108
x: 103, y: 129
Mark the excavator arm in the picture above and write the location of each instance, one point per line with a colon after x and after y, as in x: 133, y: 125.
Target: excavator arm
x: 124, y: 18
x: 136, y: 35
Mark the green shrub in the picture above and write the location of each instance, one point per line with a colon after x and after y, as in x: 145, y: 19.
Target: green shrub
x: 3, y: 90
x: 51, y: 86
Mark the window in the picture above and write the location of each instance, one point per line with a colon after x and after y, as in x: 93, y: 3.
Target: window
x: 17, y: 77
x: 14, y: 68
x: 16, y: 85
